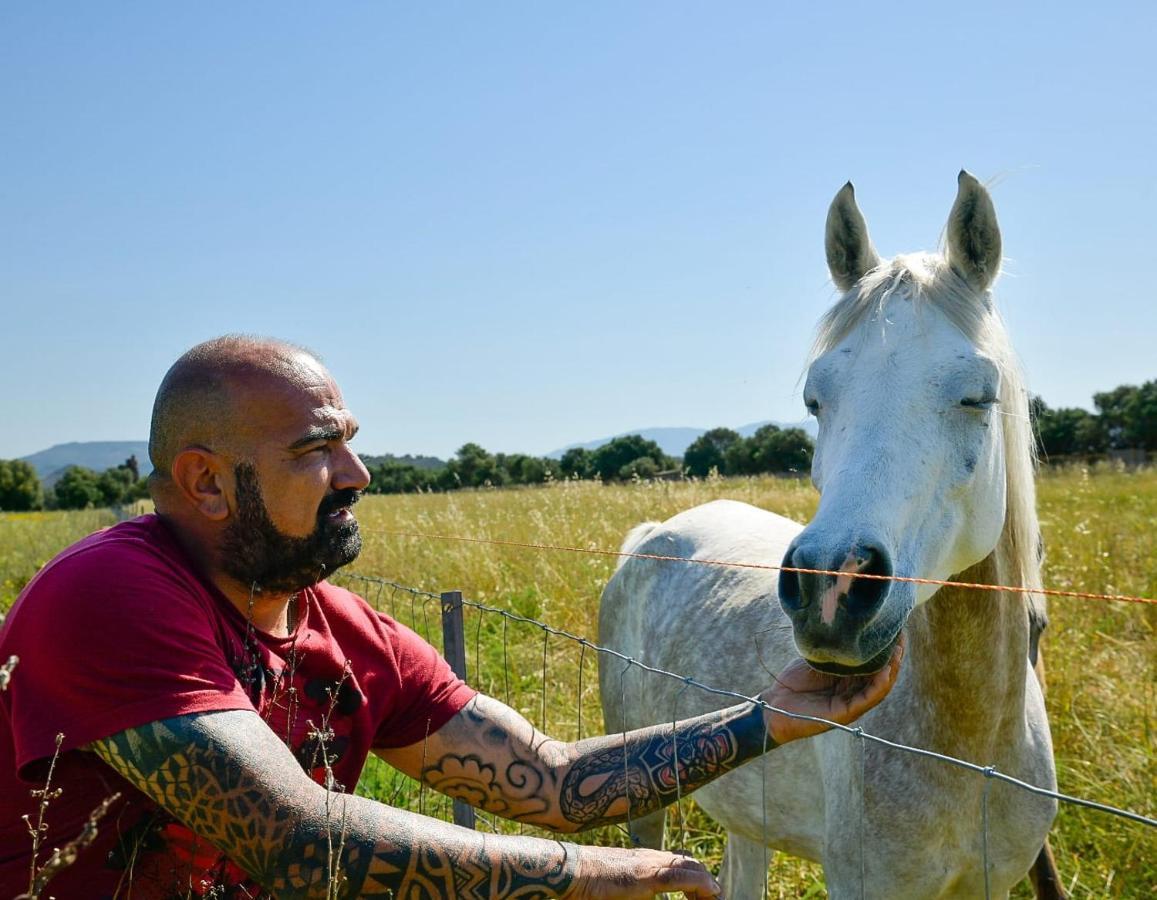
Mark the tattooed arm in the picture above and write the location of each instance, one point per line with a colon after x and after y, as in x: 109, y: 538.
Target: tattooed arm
x: 493, y: 758
x: 230, y: 780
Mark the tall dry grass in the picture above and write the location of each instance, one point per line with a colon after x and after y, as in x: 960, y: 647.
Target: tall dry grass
x: 1102, y: 657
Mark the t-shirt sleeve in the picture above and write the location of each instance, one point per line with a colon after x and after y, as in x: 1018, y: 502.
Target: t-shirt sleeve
x: 109, y: 638
x: 430, y: 693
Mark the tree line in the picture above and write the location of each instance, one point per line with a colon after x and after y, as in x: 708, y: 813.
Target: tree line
x: 76, y: 488
x: 627, y: 458
x: 1125, y: 418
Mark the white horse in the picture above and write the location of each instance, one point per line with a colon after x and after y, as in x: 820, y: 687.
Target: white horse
x: 925, y: 465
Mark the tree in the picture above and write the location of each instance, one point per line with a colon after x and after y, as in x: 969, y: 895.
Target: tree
x: 116, y: 486
x: 1142, y: 417
x: 643, y: 467
x: 1065, y: 431
x: 400, y: 478
x: 709, y: 451
x: 523, y: 469
x: 576, y: 463
x: 472, y: 466
x: 608, y: 460
x: 20, y: 488
x: 77, y: 488
x: 771, y: 449
x: 1129, y: 415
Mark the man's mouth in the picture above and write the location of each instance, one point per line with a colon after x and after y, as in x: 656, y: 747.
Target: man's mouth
x: 338, y: 507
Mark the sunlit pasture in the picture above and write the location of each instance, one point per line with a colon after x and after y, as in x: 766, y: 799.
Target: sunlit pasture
x: 1101, y: 657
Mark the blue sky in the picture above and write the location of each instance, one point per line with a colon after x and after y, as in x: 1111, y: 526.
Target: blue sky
x: 531, y: 224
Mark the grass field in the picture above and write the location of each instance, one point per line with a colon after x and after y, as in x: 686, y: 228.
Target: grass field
x: 1102, y: 657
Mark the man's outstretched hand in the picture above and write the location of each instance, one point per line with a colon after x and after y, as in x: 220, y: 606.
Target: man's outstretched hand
x: 801, y: 689
x: 612, y: 873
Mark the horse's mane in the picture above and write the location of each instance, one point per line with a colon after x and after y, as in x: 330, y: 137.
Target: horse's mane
x: 926, y: 278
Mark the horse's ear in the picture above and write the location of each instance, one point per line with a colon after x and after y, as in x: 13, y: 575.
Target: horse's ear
x: 973, y: 234
x: 850, y: 251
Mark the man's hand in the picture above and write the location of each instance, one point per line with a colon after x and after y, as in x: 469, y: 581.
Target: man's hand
x: 801, y: 689
x: 611, y: 873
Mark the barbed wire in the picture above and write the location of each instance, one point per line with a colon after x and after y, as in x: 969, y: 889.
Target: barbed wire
x: 906, y: 579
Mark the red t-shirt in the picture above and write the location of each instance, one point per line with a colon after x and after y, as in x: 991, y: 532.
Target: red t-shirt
x: 119, y: 630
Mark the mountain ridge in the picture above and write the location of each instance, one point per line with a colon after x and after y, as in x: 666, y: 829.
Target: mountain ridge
x: 51, y: 462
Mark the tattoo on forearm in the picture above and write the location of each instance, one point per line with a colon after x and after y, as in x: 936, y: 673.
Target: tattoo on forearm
x: 224, y: 780
x: 515, y: 794
x: 513, y: 771
x: 430, y: 873
x: 654, y: 766
x: 505, y: 777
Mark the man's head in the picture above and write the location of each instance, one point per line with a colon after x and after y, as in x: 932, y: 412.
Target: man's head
x: 251, y: 462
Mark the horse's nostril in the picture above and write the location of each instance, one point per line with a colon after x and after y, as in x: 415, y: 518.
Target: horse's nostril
x: 866, y: 594
x: 860, y: 598
x: 798, y: 589
x: 789, y: 596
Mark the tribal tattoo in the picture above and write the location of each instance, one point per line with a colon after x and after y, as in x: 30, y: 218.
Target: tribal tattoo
x: 227, y: 777
x: 514, y: 771
x: 616, y: 776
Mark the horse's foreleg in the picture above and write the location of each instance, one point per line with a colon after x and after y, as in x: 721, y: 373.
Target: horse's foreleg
x: 647, y: 831
x: 1046, y: 880
x: 744, y: 871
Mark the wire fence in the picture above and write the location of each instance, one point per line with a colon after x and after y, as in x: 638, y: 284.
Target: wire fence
x: 526, y: 686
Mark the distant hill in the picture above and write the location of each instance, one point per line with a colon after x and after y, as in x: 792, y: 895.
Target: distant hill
x: 418, y: 462
x: 675, y: 441
x: 95, y: 455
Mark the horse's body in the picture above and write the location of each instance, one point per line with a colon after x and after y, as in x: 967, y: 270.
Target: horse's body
x: 920, y: 475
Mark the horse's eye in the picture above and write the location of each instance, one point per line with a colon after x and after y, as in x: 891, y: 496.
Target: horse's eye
x: 979, y: 402
x: 813, y: 406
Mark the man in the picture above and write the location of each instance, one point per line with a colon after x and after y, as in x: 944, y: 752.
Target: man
x: 197, y: 662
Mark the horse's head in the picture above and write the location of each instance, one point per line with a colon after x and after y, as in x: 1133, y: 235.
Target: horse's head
x: 906, y: 383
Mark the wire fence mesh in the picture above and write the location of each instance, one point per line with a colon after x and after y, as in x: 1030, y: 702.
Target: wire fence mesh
x: 537, y: 668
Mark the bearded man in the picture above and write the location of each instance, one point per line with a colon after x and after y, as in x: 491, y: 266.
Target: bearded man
x: 198, y: 663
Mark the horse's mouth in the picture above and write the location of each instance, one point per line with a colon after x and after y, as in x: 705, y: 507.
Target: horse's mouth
x: 873, y: 665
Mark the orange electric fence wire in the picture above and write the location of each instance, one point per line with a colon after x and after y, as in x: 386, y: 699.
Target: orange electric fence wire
x: 595, y: 551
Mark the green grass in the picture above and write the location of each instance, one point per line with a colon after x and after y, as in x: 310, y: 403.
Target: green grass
x: 29, y: 540
x: 1101, y: 657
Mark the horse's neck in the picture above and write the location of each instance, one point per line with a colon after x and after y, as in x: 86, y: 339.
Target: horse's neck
x: 967, y: 657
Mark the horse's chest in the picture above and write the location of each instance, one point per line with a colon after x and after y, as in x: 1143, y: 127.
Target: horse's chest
x: 937, y: 838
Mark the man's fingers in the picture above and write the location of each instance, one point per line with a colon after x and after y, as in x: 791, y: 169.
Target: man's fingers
x: 803, y: 690
x: 876, y: 687
x: 689, y: 876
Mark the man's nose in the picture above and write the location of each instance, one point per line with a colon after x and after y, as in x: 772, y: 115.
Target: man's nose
x: 350, y: 471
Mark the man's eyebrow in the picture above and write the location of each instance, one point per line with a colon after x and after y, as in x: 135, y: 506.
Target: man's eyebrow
x: 323, y: 433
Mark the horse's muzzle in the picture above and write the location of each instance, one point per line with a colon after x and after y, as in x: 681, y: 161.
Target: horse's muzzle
x: 845, y: 623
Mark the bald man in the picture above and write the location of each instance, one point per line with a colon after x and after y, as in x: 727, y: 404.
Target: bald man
x: 198, y: 664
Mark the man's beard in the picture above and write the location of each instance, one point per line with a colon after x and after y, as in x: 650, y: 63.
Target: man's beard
x: 261, y: 557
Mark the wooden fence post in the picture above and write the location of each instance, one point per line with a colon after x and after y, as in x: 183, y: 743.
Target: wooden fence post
x: 454, y: 647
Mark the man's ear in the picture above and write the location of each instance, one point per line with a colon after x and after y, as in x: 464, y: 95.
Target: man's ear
x: 199, y: 475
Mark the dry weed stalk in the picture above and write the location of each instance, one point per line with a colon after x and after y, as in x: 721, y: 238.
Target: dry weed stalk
x: 61, y: 857
x: 335, y: 879
x: 6, y: 669
x: 45, y: 795
x: 65, y: 856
